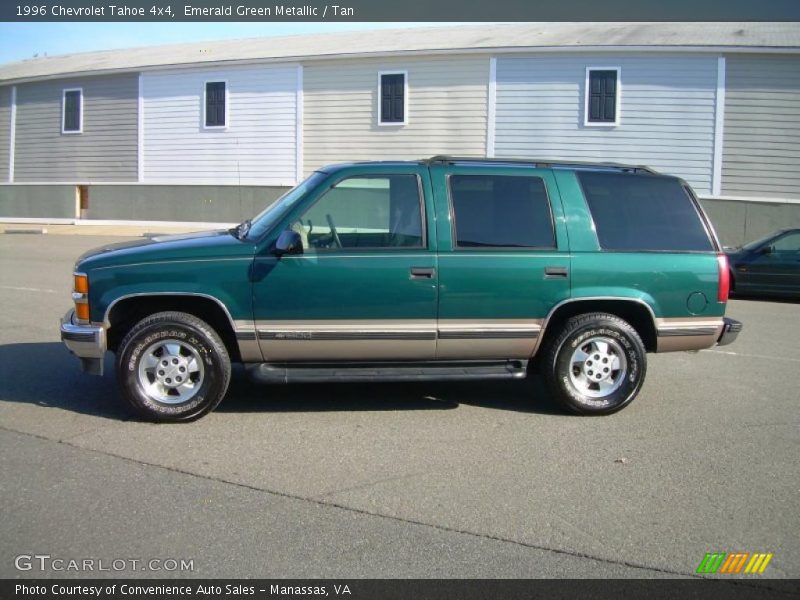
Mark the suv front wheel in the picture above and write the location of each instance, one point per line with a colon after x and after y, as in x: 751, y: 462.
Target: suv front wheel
x: 173, y: 367
x: 596, y: 365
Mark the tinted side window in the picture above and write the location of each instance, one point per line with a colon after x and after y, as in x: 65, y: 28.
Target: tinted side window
x: 643, y: 212
x: 788, y: 243
x: 501, y: 211
x: 383, y: 211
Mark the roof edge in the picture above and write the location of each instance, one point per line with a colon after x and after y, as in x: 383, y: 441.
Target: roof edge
x: 299, y: 59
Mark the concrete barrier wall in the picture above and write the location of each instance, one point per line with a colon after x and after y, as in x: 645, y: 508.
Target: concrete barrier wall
x: 215, y: 204
x: 738, y: 222
x: 37, y: 201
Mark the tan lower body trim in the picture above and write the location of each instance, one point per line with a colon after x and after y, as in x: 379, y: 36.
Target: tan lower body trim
x: 465, y: 339
x: 687, y: 333
x: 330, y: 340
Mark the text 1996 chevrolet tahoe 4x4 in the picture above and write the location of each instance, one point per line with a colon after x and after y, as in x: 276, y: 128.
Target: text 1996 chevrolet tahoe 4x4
x: 436, y: 269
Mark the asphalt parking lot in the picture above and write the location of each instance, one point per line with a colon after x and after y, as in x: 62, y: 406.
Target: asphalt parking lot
x: 479, y: 480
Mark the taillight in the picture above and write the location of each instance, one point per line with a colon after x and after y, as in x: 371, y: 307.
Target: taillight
x: 724, y: 287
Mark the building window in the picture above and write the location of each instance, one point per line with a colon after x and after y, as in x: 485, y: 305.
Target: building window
x: 72, y: 111
x: 216, y: 105
x: 392, y: 98
x: 602, y: 96
x: 501, y: 211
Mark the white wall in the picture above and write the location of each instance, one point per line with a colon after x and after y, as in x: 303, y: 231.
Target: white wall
x: 257, y: 147
x: 446, y: 109
x: 667, y: 112
x: 761, y: 155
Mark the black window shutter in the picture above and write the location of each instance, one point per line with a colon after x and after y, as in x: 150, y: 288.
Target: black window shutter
x: 392, y: 98
x: 215, y: 104
x: 602, y: 96
x: 72, y: 111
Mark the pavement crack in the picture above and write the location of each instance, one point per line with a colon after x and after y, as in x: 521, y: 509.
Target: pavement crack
x: 444, y: 528
x: 370, y: 484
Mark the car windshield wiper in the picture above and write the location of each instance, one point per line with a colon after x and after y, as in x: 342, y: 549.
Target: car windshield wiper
x: 241, y: 229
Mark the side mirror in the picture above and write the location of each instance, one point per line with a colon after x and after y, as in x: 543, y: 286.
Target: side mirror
x: 765, y: 250
x: 289, y: 243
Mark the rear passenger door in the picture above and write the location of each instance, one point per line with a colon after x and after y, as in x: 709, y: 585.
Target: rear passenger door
x: 503, y: 259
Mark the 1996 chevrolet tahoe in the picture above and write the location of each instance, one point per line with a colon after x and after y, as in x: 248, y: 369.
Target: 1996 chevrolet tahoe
x: 439, y: 269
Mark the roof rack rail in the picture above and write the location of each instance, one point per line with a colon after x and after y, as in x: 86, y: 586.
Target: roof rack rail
x: 539, y: 163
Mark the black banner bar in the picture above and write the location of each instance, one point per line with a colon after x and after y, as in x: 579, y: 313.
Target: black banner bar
x: 391, y: 10
x: 388, y: 589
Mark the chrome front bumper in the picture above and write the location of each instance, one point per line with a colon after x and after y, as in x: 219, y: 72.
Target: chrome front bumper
x: 87, y: 342
x: 730, y: 330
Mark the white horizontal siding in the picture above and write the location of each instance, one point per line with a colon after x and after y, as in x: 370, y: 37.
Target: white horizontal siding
x: 256, y: 148
x: 761, y: 148
x: 447, y: 99
x: 666, y: 118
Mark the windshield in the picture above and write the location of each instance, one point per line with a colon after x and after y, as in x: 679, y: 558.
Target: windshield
x: 268, y: 217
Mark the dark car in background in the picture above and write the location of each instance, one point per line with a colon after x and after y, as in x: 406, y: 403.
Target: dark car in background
x: 770, y: 265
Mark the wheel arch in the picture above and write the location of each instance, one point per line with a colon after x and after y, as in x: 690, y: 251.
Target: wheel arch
x: 127, y: 310
x: 635, y: 311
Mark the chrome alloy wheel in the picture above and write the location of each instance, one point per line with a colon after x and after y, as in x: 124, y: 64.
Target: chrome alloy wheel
x: 598, y: 367
x: 171, y: 372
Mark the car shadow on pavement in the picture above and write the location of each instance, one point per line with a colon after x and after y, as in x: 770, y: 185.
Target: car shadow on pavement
x: 45, y: 374
x: 519, y: 396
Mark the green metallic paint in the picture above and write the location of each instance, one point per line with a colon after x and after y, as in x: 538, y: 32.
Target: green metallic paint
x: 501, y: 283
x: 211, y: 263
x: 631, y: 275
x: 579, y: 224
x: 343, y: 286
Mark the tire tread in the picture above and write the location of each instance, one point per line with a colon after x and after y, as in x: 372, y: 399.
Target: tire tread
x: 186, y: 320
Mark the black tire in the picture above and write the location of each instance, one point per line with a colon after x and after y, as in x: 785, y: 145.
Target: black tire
x: 561, y: 375
x: 201, y: 345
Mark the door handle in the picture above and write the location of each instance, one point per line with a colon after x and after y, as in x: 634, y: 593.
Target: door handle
x: 422, y: 272
x: 555, y: 272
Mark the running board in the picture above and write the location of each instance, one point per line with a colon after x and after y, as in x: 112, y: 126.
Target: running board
x: 387, y: 371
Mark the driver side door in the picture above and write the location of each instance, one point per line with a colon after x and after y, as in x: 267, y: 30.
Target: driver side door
x: 365, y: 286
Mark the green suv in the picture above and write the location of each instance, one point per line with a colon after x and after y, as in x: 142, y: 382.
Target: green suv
x: 439, y: 269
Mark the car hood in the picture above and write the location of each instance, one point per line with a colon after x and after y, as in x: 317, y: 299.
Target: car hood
x: 163, y: 248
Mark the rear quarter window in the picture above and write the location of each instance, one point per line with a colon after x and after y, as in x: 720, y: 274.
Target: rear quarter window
x: 643, y: 212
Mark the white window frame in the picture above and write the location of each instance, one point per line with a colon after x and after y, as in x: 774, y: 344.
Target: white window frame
x: 64, y: 111
x: 227, y: 105
x: 404, y: 122
x: 617, y: 103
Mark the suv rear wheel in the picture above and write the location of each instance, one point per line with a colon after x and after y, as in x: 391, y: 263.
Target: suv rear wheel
x: 173, y: 367
x: 596, y: 365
